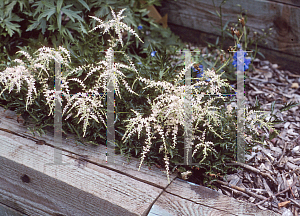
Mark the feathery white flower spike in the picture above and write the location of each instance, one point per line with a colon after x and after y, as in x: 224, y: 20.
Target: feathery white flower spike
x: 117, y: 24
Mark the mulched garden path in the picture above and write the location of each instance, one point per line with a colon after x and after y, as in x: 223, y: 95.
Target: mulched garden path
x: 270, y: 176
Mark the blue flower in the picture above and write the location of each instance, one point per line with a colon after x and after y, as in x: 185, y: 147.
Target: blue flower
x: 200, y: 74
x: 238, y: 46
x: 201, y: 67
x: 247, y: 61
x: 140, y: 27
x: 139, y: 62
x: 153, y: 53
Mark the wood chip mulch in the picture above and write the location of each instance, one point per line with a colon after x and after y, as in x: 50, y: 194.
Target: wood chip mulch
x: 270, y: 178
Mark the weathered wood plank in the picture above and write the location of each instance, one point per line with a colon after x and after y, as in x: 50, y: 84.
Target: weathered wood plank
x: 87, y: 187
x: 169, y: 205
x: 41, y: 189
x: 96, y: 154
x: 6, y: 211
x: 32, y: 187
x: 288, y: 62
x: 284, y: 18
x: 202, y: 196
x: 290, y: 2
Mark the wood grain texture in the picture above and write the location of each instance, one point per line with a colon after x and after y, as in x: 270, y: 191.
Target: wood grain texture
x: 282, y: 15
x: 289, y: 2
x: 66, y: 189
x: 6, y: 211
x: 96, y: 154
x: 32, y: 187
x: 88, y: 186
x: 198, y: 194
x: 170, y: 205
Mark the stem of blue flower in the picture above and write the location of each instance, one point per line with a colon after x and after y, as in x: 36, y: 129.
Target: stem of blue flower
x: 245, y: 37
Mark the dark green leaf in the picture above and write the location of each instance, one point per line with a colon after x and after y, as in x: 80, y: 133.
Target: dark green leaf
x: 34, y: 25
x: 84, y: 4
x: 47, y: 13
x: 261, y: 54
x: 58, y: 6
x: 272, y: 106
x: 59, y: 21
x: 217, y: 41
x: 226, y: 24
x: 72, y: 14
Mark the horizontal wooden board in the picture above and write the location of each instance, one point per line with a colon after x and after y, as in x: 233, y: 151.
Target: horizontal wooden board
x: 41, y: 189
x: 88, y: 186
x: 170, y: 205
x: 203, y: 196
x: 288, y: 2
x: 6, y: 211
x: 95, y: 154
x: 283, y: 16
x: 288, y: 62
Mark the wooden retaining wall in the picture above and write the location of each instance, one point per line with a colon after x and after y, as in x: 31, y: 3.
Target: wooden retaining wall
x: 90, y: 187
x: 191, y: 20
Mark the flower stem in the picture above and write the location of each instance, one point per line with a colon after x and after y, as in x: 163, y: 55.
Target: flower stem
x: 245, y: 37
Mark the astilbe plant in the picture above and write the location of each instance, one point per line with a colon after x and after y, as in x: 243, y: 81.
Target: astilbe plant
x: 167, y: 110
x: 14, y: 75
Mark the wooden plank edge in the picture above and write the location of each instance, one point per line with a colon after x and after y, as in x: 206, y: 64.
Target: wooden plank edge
x: 286, y: 61
x: 203, y: 196
x: 91, y: 153
x: 42, y: 190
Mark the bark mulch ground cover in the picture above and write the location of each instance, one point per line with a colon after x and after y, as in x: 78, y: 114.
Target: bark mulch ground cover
x: 270, y: 176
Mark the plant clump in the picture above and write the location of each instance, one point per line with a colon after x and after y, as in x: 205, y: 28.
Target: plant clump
x: 213, y: 120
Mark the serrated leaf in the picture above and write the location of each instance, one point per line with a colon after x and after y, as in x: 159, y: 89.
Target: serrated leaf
x: 83, y: 29
x: 48, y: 13
x: 43, y: 25
x: 34, y: 25
x: 72, y: 14
x: 39, y: 8
x: 130, y: 75
x: 11, y: 27
x: 102, y: 12
x: 9, y: 8
x: 15, y: 18
x: 52, y: 27
x: 22, y: 4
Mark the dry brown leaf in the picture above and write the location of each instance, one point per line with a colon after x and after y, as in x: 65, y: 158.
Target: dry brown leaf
x: 283, y: 204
